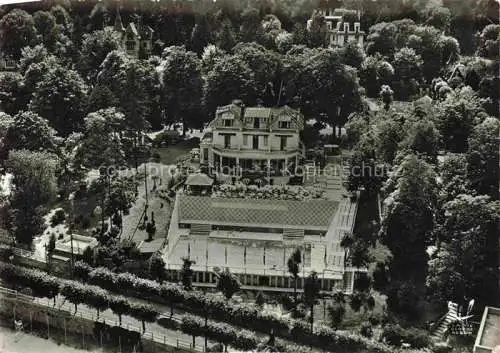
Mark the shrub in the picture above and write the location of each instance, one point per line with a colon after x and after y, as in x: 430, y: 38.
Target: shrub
x: 366, y: 330
x: 58, y: 217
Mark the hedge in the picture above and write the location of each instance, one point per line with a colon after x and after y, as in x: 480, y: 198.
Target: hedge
x: 248, y: 316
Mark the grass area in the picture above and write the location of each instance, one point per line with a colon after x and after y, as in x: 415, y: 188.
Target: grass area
x: 169, y: 155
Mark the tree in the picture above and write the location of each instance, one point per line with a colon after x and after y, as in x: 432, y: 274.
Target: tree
x: 95, y: 47
x: 336, y: 313
x: 157, y: 268
x: 410, y: 209
x: 423, y: 139
x: 264, y: 65
x: 455, y: 117
x: 226, y: 37
x: 31, y: 132
x: 284, y: 42
x: 227, y: 283
x: 101, y: 145
x: 60, y: 97
x: 311, y: 292
x: 293, y: 264
x: 407, y: 68
x: 13, y: 93
x: 465, y: 266
x: 201, y: 35
x: 34, y: 186
x: 386, y: 93
x: 181, y: 84
x: 187, y: 273
x: 454, y: 179
x: 321, y: 75
x: 45, y: 24
x: 316, y: 37
x: 193, y: 326
x: 260, y: 299
x: 144, y: 312
x: 375, y: 72
x: 120, y: 306
x: 98, y: 299
x: 17, y: 30
x: 51, y: 245
x: 229, y: 79
x: 483, y: 157
x: 251, y: 29
x: 75, y: 293
x: 352, y: 54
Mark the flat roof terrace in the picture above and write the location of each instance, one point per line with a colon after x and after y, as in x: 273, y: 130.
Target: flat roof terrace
x: 488, y: 336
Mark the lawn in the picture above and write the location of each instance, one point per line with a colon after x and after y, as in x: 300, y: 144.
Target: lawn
x: 169, y: 155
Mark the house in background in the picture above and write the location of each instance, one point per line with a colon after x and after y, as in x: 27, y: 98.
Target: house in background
x: 137, y: 39
x: 343, y: 26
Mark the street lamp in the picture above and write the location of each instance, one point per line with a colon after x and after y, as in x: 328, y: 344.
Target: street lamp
x: 71, y: 199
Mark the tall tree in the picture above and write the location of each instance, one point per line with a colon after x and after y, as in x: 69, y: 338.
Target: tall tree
x: 95, y: 47
x: 182, y: 84
x: 61, y: 97
x: 31, y: 132
x: 293, y: 264
x: 410, y: 209
x: 229, y: 79
x: 34, y: 185
x: 17, y: 30
x: 227, y: 283
x: 483, y: 157
x: 312, y: 287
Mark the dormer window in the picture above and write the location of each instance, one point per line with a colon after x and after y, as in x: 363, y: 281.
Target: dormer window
x: 285, y: 122
x: 228, y: 122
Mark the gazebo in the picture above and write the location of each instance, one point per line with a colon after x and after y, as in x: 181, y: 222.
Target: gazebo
x: 199, y: 184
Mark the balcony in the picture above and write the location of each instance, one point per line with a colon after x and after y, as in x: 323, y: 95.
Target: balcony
x: 257, y: 153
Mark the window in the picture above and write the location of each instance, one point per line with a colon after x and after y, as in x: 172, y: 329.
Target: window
x: 256, y: 123
x: 265, y: 140
x: 284, y: 124
x: 255, y: 142
x: 227, y: 141
x: 130, y: 45
x: 283, y: 143
x: 228, y: 122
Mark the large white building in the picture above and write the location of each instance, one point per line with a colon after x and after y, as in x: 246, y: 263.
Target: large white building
x: 251, y: 229
x: 343, y: 26
x: 254, y: 140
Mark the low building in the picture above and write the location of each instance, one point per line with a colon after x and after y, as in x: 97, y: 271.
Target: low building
x: 343, y: 26
x: 253, y: 231
x: 488, y: 336
x: 253, y: 140
x: 75, y: 244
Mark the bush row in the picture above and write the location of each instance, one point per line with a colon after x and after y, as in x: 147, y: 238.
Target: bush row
x: 46, y: 286
x: 245, y: 315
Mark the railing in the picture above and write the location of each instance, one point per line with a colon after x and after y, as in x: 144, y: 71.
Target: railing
x: 158, y: 338
x: 7, y: 64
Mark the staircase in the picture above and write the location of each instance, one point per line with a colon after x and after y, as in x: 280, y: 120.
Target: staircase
x: 443, y: 323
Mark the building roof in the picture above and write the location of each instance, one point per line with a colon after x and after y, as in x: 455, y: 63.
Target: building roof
x: 311, y: 214
x: 487, y: 336
x: 131, y: 27
x: 257, y: 112
x: 199, y: 179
